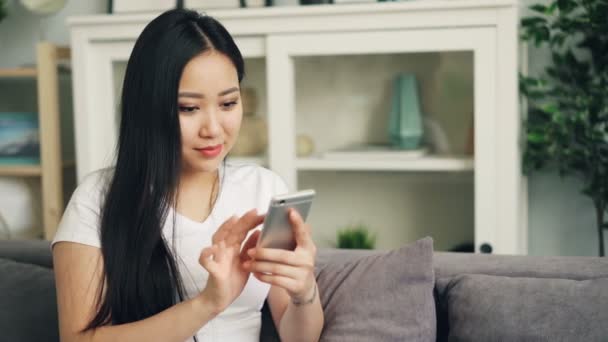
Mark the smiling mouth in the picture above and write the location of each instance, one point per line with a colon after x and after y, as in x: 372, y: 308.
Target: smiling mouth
x: 210, y: 151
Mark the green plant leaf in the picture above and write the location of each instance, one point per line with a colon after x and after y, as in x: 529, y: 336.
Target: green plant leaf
x: 566, y: 6
x: 540, y: 8
x: 355, y: 236
x: 536, y: 137
x: 533, y: 22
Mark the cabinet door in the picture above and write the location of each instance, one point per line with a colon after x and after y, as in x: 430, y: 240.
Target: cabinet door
x: 494, y: 208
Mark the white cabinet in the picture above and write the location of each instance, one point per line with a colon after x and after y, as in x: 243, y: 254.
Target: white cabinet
x: 325, y: 71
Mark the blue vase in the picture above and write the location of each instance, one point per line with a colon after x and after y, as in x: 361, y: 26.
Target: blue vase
x: 405, y: 119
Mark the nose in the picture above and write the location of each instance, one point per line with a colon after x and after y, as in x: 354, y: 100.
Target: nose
x: 210, y: 126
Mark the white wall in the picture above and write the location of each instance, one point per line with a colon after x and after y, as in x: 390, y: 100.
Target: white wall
x: 20, y: 30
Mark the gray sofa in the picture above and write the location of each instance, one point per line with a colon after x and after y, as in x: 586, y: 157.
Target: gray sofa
x: 477, y: 297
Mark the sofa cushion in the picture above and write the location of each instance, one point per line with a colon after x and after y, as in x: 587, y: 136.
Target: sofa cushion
x: 497, y: 308
x: 28, y: 307
x: 383, y: 296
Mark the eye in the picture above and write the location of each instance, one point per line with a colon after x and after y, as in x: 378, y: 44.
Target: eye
x: 187, y: 109
x: 229, y: 105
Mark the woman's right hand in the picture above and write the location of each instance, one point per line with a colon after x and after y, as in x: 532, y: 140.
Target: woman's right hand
x: 224, y: 260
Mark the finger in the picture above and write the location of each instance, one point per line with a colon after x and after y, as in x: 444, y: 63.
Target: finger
x: 300, y: 229
x: 283, y: 282
x: 274, y: 269
x: 207, y: 259
x: 249, y: 221
x: 241, y: 227
x: 220, y: 256
x: 251, y: 242
x: 224, y: 229
x: 208, y: 252
x: 279, y: 255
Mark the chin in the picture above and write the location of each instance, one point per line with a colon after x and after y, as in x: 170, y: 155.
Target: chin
x: 206, y: 165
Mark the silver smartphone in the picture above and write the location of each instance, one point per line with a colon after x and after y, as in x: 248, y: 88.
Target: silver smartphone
x: 277, y: 231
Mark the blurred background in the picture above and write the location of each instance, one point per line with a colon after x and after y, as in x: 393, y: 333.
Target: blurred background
x: 386, y: 136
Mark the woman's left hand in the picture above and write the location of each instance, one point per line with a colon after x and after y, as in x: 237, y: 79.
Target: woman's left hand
x: 290, y: 270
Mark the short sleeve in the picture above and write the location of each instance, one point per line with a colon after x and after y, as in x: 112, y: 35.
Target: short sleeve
x: 280, y: 187
x: 81, y: 219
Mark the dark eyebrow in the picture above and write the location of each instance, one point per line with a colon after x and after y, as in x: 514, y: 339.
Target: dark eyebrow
x: 228, y: 91
x: 200, y: 96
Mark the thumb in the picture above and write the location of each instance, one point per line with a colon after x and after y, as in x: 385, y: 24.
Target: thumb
x: 207, y: 259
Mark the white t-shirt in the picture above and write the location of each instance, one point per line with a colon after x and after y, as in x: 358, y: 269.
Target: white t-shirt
x: 242, y: 188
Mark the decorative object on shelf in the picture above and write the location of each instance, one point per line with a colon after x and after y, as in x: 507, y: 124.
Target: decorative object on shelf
x: 212, y: 4
x: 43, y: 7
x: 355, y: 237
x: 405, y: 125
x: 374, y: 152
x: 434, y: 136
x: 19, y: 138
x: 19, y: 212
x: 134, y: 6
x: 305, y: 146
x: 568, y: 103
x: 253, y: 136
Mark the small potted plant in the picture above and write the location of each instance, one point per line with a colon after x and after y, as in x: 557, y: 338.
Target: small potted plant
x: 355, y: 237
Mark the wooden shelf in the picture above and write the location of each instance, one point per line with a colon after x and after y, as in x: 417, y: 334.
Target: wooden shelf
x: 18, y: 73
x: 46, y: 73
x: 20, y: 170
x: 429, y: 163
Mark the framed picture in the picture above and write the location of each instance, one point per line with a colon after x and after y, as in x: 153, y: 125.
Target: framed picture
x: 140, y: 6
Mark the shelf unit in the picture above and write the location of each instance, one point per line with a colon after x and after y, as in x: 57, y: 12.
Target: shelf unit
x: 50, y: 169
x: 429, y: 164
x: 285, y: 45
x: 20, y: 170
x: 18, y: 73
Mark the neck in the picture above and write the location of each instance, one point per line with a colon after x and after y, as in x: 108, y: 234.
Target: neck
x: 197, y: 193
x: 198, y: 180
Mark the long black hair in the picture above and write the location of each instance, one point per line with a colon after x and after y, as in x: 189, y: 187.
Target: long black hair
x: 141, y: 276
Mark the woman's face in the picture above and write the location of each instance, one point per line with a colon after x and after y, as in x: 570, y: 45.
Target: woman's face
x: 210, y: 111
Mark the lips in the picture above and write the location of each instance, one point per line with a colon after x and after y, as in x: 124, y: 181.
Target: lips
x: 211, y: 148
x: 210, y: 151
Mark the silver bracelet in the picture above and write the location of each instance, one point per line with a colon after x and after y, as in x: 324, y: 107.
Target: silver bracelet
x: 297, y: 302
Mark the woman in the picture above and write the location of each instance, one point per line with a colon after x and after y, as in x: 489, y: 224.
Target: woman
x: 150, y: 250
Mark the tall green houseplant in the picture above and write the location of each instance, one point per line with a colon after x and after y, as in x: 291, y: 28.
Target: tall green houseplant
x: 2, y: 10
x: 567, y: 124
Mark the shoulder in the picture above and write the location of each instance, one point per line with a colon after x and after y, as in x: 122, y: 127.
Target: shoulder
x: 251, y: 175
x: 81, y: 219
x: 93, y: 186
